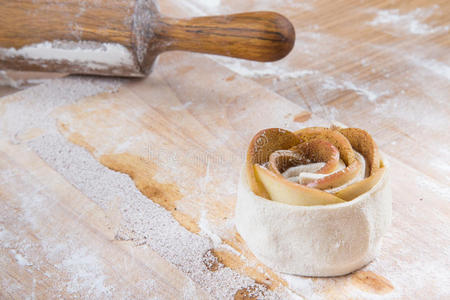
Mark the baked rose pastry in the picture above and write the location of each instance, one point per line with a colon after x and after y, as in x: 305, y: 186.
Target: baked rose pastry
x: 314, y: 202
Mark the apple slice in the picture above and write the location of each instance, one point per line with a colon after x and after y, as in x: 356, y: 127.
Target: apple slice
x: 285, y: 191
x: 358, y: 188
x: 261, y: 146
x: 346, y: 154
x: 338, y: 178
x: 362, y: 142
x: 319, y: 150
x: 306, y: 153
x: 331, y: 135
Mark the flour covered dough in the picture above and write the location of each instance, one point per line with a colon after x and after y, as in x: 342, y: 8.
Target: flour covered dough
x: 328, y: 237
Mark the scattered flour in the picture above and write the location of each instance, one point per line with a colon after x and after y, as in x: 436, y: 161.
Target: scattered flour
x: 209, y: 3
x: 181, y: 107
x: 206, y: 230
x: 203, y: 7
x: 78, y: 270
x: 411, y: 22
x: 86, y: 273
x: 34, y: 107
x: 366, y: 93
x: 436, y: 67
x: 427, y: 183
x: 258, y: 70
x: 22, y: 261
x: 6, y: 80
x: 143, y: 222
x: 94, y: 55
x: 328, y: 85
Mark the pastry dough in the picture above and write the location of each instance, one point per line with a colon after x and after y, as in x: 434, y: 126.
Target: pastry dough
x: 317, y: 229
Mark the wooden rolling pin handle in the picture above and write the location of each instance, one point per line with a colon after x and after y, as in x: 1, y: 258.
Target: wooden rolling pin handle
x: 259, y: 36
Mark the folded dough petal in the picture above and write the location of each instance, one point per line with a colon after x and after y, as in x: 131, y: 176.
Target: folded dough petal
x: 261, y: 146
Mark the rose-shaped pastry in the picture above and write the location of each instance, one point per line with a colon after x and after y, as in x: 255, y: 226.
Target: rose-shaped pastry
x: 314, y: 202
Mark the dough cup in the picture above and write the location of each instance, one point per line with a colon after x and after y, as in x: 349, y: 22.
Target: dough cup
x: 321, y: 240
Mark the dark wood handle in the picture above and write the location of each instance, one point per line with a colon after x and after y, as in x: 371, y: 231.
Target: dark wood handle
x: 260, y: 36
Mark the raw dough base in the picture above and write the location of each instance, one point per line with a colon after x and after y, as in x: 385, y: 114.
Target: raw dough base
x: 322, y: 240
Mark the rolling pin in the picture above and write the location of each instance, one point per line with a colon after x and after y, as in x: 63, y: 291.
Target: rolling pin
x: 124, y: 37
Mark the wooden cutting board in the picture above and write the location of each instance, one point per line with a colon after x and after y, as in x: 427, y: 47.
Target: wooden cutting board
x: 180, y: 135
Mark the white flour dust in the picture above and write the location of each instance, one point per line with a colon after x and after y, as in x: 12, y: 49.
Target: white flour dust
x: 22, y: 261
x: 142, y: 221
x: 325, y: 86
x: 427, y: 183
x: 78, y: 270
x: 363, y: 89
x: 203, y: 7
x: 412, y: 22
x: 258, y: 70
x: 83, y: 267
x: 432, y: 65
x: 181, y: 107
x: 93, y: 55
x: 6, y: 80
x: 33, y: 107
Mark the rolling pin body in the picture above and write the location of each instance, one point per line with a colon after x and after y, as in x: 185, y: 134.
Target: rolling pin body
x: 124, y: 37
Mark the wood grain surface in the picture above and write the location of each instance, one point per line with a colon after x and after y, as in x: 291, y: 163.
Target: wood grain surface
x: 381, y: 66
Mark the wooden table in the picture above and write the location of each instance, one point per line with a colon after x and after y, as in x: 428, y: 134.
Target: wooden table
x: 73, y: 225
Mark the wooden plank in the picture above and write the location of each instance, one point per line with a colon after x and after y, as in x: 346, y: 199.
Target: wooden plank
x: 55, y: 241
x: 183, y: 131
x: 172, y: 112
